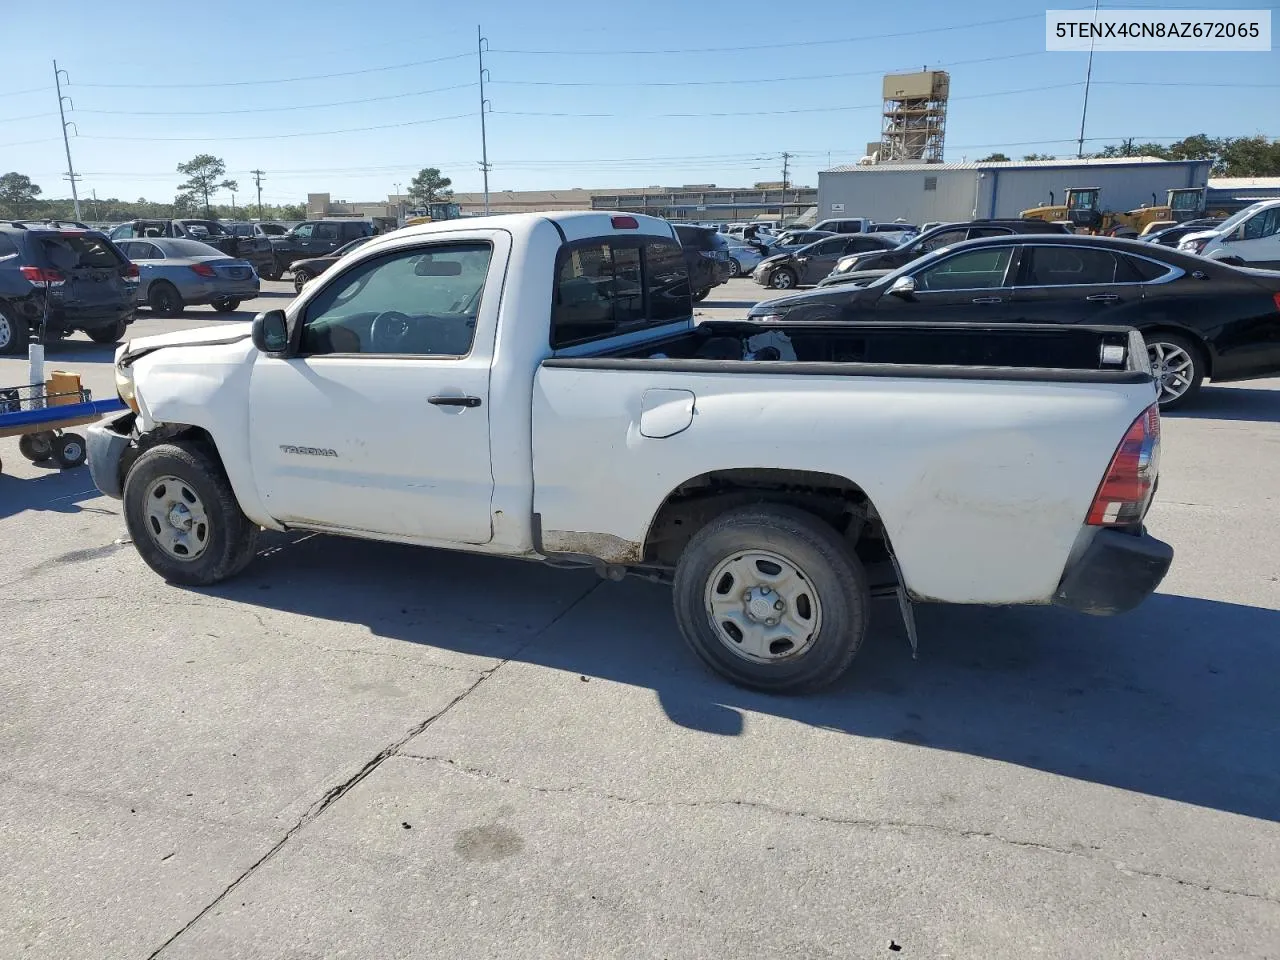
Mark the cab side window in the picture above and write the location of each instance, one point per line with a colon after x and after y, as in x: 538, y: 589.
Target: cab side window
x: 1260, y: 225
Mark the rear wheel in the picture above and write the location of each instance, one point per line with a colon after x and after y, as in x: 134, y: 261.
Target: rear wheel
x: 270, y: 271
x: 184, y: 518
x: 226, y: 306
x: 701, y: 295
x: 13, y: 333
x: 300, y: 278
x: 783, y: 278
x: 108, y: 334
x: 735, y: 268
x: 770, y: 597
x: 1178, y: 366
x: 37, y: 446
x: 164, y: 300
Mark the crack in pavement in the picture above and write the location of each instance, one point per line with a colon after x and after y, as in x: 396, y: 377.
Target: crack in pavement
x: 338, y: 791
x: 480, y: 773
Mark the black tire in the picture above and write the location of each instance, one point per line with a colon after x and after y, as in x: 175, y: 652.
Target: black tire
x: 827, y: 565
x: 300, y: 278
x: 1160, y: 342
x: 226, y: 306
x: 69, y: 450
x: 164, y: 300
x: 271, y: 271
x: 108, y: 334
x: 784, y: 278
x: 701, y: 295
x: 231, y: 536
x: 14, y: 332
x: 36, y: 447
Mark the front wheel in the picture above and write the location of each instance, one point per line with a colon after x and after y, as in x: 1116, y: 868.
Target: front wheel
x: 771, y: 598
x: 300, y: 279
x: 184, y: 518
x: 783, y: 279
x: 226, y: 306
x: 1178, y: 367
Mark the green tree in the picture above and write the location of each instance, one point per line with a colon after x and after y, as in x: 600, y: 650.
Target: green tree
x: 1038, y: 156
x: 996, y: 157
x: 18, y: 194
x: 1248, y: 157
x: 205, y: 174
x: 429, y: 186
x: 292, y: 211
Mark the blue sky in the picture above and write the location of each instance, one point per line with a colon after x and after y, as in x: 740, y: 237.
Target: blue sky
x: 577, y: 98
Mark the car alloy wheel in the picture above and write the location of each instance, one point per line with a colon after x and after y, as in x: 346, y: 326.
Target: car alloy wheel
x: 782, y: 279
x: 1173, y: 368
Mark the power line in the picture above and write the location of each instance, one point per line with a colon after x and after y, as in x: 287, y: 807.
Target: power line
x: 258, y: 83
x: 788, y: 112
x: 748, y: 80
x: 19, y: 93
x: 790, y: 43
x: 284, y: 136
x: 301, y: 106
x: 29, y: 116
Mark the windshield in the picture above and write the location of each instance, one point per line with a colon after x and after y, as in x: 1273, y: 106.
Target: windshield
x: 210, y: 227
x: 1236, y: 219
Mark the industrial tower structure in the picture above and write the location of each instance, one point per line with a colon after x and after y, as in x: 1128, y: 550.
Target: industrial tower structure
x: 915, y: 116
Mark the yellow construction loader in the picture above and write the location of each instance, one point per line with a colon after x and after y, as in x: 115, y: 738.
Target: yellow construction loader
x: 1083, y: 210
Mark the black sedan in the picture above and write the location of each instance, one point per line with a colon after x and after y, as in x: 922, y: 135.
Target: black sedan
x: 306, y: 270
x: 1200, y: 318
x: 806, y: 266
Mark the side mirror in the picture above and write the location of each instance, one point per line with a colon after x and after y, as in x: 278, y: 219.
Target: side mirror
x: 904, y: 287
x: 271, y: 333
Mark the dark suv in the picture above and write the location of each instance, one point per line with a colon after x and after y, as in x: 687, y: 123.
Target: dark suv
x: 940, y: 236
x: 255, y: 249
x: 316, y: 238
x: 71, y: 278
x: 706, y: 254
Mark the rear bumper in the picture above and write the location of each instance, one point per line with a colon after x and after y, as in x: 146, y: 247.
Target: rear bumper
x: 105, y: 444
x: 1115, y: 573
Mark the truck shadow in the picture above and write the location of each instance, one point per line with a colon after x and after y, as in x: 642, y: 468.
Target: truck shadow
x: 1233, y: 403
x: 1176, y: 700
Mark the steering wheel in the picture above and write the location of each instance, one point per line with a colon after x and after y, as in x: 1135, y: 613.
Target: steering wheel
x: 388, y: 331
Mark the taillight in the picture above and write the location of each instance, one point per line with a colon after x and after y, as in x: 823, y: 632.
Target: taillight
x: 203, y: 269
x: 131, y: 271
x: 1276, y: 297
x: 42, y: 275
x: 1125, y: 492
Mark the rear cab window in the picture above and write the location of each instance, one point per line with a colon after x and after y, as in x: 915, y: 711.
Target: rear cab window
x: 606, y: 287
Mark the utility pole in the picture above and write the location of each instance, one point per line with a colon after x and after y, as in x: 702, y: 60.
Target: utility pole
x: 786, y: 159
x: 233, y: 204
x: 257, y: 182
x: 1088, y: 75
x: 484, y: 104
x: 66, y: 142
x: 95, y: 203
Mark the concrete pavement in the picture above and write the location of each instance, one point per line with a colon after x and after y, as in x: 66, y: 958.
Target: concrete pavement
x: 365, y: 750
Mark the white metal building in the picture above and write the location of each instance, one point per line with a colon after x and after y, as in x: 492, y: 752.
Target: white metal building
x: 923, y: 192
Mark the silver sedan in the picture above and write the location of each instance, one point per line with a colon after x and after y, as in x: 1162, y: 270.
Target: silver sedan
x: 743, y: 257
x: 174, y: 274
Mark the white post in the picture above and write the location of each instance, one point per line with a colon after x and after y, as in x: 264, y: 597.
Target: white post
x: 35, y: 354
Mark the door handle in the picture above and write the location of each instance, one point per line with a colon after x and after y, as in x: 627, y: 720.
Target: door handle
x: 987, y: 300
x: 1103, y: 298
x: 454, y: 401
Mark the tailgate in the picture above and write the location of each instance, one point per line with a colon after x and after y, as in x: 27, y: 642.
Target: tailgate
x: 93, y: 269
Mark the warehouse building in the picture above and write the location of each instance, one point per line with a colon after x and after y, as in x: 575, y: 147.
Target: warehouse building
x: 924, y: 192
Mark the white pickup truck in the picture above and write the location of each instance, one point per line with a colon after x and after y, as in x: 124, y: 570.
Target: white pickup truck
x: 535, y: 387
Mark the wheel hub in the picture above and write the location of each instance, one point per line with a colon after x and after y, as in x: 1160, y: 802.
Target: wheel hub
x: 762, y: 606
x: 180, y: 517
x: 176, y: 518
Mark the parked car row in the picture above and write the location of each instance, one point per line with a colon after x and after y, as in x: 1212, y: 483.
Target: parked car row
x: 1201, y: 319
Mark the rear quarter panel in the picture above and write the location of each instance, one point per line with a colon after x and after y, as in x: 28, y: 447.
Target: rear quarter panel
x: 983, y: 486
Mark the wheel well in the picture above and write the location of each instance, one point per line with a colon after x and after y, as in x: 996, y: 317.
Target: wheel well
x: 1198, y: 341
x: 168, y: 433
x: 833, y: 499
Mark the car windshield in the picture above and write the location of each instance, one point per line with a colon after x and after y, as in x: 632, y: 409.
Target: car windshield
x: 191, y: 248
x: 1236, y: 219
x: 210, y: 227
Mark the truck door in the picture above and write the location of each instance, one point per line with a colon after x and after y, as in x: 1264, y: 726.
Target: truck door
x: 380, y: 422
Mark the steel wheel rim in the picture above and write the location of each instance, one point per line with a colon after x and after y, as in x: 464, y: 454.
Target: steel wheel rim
x: 762, y: 606
x: 1173, y: 369
x: 176, y: 518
